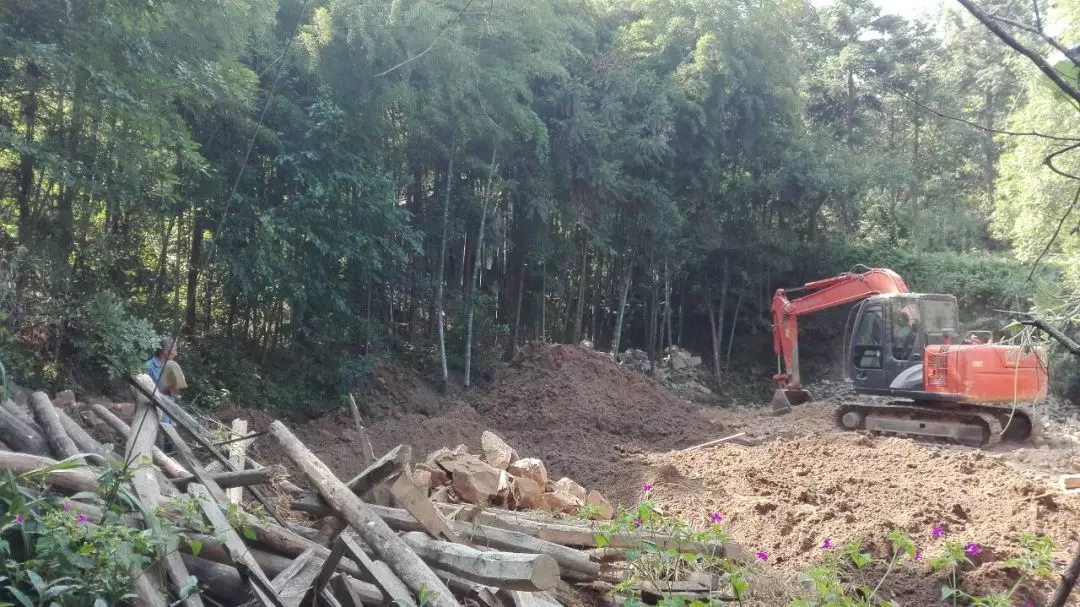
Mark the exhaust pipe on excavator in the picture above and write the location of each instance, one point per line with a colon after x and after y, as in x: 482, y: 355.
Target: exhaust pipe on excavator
x: 786, y: 398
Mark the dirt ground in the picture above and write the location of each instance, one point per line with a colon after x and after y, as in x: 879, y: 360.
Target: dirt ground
x: 794, y: 482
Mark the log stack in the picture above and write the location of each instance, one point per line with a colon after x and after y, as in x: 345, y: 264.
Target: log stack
x: 414, y: 548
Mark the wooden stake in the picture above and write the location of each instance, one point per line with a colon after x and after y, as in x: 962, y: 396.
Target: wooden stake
x: 367, y: 452
x: 711, y: 443
x: 237, y: 451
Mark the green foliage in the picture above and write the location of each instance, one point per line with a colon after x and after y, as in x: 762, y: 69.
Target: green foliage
x: 52, y: 554
x: 271, y: 174
x: 653, y: 563
x: 108, y: 336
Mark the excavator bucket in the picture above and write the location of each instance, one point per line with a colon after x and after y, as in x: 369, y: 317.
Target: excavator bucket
x: 784, y: 399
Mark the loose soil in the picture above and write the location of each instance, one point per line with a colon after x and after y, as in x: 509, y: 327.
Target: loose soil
x: 792, y: 482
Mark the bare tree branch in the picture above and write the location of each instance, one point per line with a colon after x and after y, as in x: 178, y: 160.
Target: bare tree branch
x: 1038, y: 32
x: 962, y: 120
x: 438, y: 36
x: 1013, y: 43
x: 1057, y: 231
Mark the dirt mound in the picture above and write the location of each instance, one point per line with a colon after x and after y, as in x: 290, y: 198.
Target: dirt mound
x: 571, y: 407
x: 786, y: 496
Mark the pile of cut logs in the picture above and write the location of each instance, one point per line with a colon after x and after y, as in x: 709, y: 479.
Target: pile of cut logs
x: 382, y: 539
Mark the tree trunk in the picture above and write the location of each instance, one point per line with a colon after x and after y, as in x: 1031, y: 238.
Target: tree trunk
x: 650, y: 313
x: 581, y: 288
x: 682, y: 312
x: 474, y: 278
x: 731, y: 334
x: 543, y: 302
x: 61, y: 443
x: 667, y: 301
x: 194, y: 261
x: 517, y: 307
x: 27, y: 161
x: 712, y: 332
x: 442, y: 270
x: 623, y: 293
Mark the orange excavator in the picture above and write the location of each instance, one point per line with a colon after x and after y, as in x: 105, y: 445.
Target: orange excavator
x: 908, y: 346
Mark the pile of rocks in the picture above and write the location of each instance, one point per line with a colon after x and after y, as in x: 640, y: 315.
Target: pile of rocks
x: 679, y: 370
x: 499, y: 477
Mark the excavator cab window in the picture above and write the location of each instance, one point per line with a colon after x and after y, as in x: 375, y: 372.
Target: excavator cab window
x: 869, y: 336
x: 942, y: 325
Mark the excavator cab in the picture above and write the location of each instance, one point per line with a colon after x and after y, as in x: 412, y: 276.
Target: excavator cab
x: 886, y: 337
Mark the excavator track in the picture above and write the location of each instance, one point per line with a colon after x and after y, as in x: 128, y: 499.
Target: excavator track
x: 972, y: 425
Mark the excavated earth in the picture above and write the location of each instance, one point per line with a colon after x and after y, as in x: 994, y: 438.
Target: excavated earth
x: 784, y: 487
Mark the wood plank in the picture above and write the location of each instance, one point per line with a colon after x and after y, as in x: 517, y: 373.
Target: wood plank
x: 228, y: 480
x: 45, y: 414
x: 146, y: 486
x: 237, y: 452
x: 1071, y: 482
x: 239, y: 553
x: 512, y: 570
x: 411, y: 498
x: 483, y: 595
x: 389, y: 583
x: 517, y: 598
x: 386, y: 545
x: 584, y: 535
x: 294, y: 583
x: 500, y: 539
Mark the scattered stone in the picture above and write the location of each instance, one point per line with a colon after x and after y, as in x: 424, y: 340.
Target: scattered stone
x: 442, y: 495
x: 474, y: 480
x: 532, y: 468
x: 525, y: 493
x: 496, y: 451
x: 439, y: 458
x: 562, y: 502
x: 604, y: 507
x: 438, y: 477
x: 421, y: 478
x: 569, y: 486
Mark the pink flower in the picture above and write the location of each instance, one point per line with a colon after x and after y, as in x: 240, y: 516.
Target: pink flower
x: 637, y: 522
x: 762, y: 556
x: 81, y: 518
x: 826, y: 544
x: 972, y: 549
x: 937, y: 532
x: 19, y: 519
x: 67, y: 505
x: 647, y: 487
x: 918, y: 555
x: 716, y: 517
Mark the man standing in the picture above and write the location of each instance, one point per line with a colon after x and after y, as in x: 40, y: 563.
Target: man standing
x: 165, y: 371
x: 170, y: 381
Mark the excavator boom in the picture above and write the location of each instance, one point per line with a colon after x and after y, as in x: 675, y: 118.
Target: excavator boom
x: 821, y: 294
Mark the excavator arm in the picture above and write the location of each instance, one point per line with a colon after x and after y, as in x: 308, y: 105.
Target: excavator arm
x: 822, y: 294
